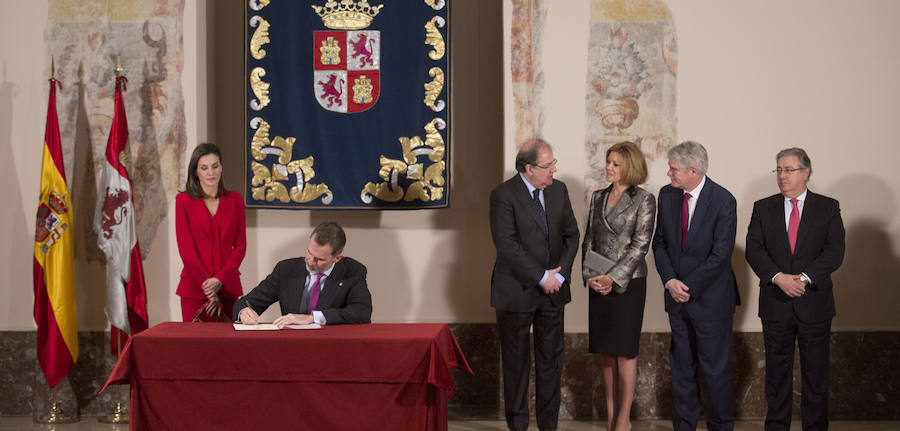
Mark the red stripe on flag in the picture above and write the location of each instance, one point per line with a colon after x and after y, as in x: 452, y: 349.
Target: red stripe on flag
x: 52, y: 351
x: 118, y: 133
x: 136, y: 292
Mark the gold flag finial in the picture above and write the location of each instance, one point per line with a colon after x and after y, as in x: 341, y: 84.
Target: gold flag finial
x: 118, y: 69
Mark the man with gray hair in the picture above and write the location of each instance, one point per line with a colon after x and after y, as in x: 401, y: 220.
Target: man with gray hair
x: 794, y: 242
x: 695, y: 230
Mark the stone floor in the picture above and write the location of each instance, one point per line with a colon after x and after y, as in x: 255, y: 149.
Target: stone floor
x: 90, y: 424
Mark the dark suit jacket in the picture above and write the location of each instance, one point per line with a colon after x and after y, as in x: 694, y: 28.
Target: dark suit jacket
x: 819, y: 252
x: 345, y: 298
x: 523, y: 250
x: 705, y: 263
x: 210, y: 246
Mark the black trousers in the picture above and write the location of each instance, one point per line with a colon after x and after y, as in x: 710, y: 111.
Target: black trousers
x: 515, y: 353
x: 707, y: 343
x: 813, y: 340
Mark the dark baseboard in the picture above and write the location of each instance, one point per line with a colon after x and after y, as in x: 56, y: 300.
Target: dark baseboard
x: 865, y: 380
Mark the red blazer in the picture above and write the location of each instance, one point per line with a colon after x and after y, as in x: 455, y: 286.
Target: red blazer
x: 210, y: 246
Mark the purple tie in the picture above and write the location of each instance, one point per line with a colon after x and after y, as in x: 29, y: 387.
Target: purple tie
x: 314, y: 292
x: 685, y: 216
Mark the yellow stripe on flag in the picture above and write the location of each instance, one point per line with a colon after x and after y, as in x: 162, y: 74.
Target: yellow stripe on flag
x: 55, y: 252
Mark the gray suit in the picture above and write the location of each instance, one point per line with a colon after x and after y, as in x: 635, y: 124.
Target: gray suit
x: 623, y: 236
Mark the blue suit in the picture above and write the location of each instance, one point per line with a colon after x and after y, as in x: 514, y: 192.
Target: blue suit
x: 701, y: 327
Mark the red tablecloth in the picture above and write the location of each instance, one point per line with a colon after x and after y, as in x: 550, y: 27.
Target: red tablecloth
x: 209, y: 376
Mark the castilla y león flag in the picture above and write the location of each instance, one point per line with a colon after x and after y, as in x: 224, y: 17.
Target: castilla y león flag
x: 54, y: 286
x: 126, y: 297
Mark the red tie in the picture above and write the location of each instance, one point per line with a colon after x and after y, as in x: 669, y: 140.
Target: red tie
x: 793, y: 225
x: 685, y: 216
x: 314, y: 292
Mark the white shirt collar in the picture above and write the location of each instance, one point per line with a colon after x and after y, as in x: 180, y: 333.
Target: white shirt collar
x: 327, y: 272
x: 695, y: 193
x: 800, y: 198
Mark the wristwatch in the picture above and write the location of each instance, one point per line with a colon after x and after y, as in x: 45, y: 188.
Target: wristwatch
x: 805, y: 279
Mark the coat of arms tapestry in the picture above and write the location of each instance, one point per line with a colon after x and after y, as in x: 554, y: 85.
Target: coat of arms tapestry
x: 347, y: 104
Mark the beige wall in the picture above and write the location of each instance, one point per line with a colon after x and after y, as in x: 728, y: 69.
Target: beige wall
x: 754, y: 77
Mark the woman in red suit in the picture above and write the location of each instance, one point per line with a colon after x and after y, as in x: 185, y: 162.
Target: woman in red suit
x: 212, y: 239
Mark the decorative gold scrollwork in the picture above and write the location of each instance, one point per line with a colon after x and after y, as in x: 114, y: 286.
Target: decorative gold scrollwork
x: 260, y: 89
x: 434, y: 38
x: 433, y: 89
x: 265, y: 182
x: 260, y: 37
x: 435, y: 4
x: 257, y: 5
x: 304, y: 191
x: 264, y: 186
x: 260, y: 138
x: 428, y: 185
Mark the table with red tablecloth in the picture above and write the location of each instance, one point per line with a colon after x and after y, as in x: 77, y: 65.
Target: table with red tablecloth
x: 210, y: 376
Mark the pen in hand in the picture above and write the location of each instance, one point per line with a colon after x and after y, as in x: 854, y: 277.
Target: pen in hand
x: 247, y: 304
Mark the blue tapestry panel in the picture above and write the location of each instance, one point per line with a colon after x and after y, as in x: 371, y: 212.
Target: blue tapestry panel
x: 348, y: 104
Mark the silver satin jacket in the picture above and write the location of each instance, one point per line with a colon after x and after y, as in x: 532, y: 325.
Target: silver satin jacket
x: 624, y: 236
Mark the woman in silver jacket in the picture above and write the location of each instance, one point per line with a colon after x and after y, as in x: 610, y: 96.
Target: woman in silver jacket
x: 619, y: 228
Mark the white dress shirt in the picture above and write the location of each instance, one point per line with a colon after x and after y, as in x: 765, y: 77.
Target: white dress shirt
x: 692, y: 202
x: 531, y: 190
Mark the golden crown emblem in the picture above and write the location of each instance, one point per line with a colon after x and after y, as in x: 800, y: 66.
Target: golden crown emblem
x: 348, y: 15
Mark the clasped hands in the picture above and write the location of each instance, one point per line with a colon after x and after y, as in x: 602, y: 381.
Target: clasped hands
x: 601, y: 284
x: 551, y: 284
x: 211, y: 288
x: 678, y: 290
x: 790, y: 284
x: 249, y: 317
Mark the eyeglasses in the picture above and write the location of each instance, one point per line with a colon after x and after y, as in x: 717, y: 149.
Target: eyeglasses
x: 547, y: 166
x: 788, y: 171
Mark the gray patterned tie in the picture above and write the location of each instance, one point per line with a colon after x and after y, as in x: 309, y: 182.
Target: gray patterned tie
x: 540, y: 210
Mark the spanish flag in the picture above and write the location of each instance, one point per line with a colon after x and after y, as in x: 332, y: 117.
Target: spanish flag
x: 54, y: 285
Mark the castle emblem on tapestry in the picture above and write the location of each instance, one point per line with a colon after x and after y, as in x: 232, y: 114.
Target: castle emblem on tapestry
x: 348, y: 104
x: 346, y: 59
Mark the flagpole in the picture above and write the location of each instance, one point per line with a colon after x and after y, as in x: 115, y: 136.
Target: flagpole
x: 56, y: 415
x: 120, y: 414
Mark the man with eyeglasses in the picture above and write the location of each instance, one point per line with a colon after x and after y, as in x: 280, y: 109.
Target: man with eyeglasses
x: 794, y: 243
x: 536, y: 237
x: 695, y: 232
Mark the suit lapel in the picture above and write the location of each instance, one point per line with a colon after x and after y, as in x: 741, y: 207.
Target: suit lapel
x: 332, y: 284
x: 296, y: 282
x: 527, y: 200
x: 224, y: 213
x: 701, y: 211
x: 809, y: 208
x: 625, y: 202
x: 201, y: 215
x: 775, y: 217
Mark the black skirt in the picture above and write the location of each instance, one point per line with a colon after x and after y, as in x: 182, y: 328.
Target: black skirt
x: 615, y: 320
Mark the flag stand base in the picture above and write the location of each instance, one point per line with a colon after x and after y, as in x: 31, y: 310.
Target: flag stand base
x: 118, y: 416
x: 56, y: 416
